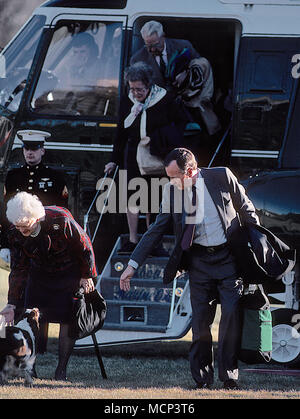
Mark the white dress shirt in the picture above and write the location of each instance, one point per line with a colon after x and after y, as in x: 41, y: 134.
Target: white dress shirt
x: 209, y: 230
x: 164, y: 56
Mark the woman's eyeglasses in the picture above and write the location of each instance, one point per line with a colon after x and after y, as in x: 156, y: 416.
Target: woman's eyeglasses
x: 138, y: 89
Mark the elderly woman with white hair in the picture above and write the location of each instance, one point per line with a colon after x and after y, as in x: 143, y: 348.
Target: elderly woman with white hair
x: 51, y: 257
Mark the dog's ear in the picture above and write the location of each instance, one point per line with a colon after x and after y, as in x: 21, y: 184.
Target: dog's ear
x: 10, y: 343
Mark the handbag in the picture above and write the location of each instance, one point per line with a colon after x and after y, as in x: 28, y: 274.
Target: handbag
x: 148, y: 164
x: 88, y: 314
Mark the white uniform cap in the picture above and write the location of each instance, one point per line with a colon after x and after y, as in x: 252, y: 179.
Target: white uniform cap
x: 33, y: 138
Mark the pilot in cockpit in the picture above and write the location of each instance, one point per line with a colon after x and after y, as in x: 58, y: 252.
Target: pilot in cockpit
x: 81, y: 67
x: 74, y: 80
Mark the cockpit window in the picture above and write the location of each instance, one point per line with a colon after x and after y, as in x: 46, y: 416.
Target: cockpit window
x: 15, y: 63
x: 5, y: 131
x: 80, y: 75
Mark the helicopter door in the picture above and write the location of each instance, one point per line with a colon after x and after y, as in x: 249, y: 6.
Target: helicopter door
x: 262, y: 99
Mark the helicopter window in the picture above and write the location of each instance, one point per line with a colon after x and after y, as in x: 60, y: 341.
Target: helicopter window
x: 290, y: 153
x: 5, y: 131
x: 16, y: 61
x: 80, y: 75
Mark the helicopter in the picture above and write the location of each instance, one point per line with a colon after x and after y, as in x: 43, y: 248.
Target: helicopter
x: 256, y: 63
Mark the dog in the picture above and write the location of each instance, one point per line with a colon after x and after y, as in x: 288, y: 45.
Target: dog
x: 18, y: 348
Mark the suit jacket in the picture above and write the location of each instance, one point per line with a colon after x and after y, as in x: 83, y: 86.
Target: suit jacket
x: 233, y: 206
x: 261, y: 256
x: 172, y: 45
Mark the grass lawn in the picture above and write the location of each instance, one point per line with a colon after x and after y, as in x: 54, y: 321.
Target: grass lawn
x: 139, y: 371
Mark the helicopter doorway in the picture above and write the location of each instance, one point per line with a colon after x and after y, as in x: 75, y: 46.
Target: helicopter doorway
x: 217, y: 40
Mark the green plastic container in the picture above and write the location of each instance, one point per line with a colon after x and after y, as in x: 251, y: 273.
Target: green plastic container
x: 256, y: 344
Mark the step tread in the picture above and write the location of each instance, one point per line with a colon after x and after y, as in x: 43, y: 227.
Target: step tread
x: 135, y: 327
x: 144, y: 280
x: 137, y: 302
x: 149, y: 258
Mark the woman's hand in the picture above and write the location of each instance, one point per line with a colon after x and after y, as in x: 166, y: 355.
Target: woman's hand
x: 9, y: 314
x: 87, y: 284
x: 109, y: 167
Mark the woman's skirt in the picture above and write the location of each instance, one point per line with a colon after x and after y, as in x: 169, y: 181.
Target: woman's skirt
x: 52, y: 293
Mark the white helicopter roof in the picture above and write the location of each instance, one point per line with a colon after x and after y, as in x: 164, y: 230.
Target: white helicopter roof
x: 257, y: 17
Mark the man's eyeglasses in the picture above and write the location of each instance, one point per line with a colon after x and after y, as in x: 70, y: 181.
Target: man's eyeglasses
x: 156, y: 45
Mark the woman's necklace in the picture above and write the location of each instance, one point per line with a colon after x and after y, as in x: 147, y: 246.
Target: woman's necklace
x: 37, y: 231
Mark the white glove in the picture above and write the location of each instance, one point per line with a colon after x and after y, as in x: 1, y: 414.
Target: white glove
x: 8, y: 313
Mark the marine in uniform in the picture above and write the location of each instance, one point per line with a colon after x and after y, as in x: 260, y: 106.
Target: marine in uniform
x: 34, y: 177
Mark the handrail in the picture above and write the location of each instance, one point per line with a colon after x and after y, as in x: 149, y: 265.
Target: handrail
x: 106, y: 199
x: 220, y: 144
x: 86, y: 216
x: 172, y: 305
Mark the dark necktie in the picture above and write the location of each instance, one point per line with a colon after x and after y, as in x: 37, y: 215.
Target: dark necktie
x: 162, y: 65
x: 189, y: 229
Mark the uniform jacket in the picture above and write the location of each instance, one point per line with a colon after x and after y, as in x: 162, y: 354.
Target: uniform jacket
x: 172, y: 45
x: 233, y: 206
x: 48, y: 184
x: 60, y: 245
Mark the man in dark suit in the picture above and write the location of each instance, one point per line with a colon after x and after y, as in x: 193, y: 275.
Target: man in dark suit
x: 203, y: 248
x: 158, y: 50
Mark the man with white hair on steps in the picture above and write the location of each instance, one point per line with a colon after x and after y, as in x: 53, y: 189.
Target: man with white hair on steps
x: 158, y: 51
